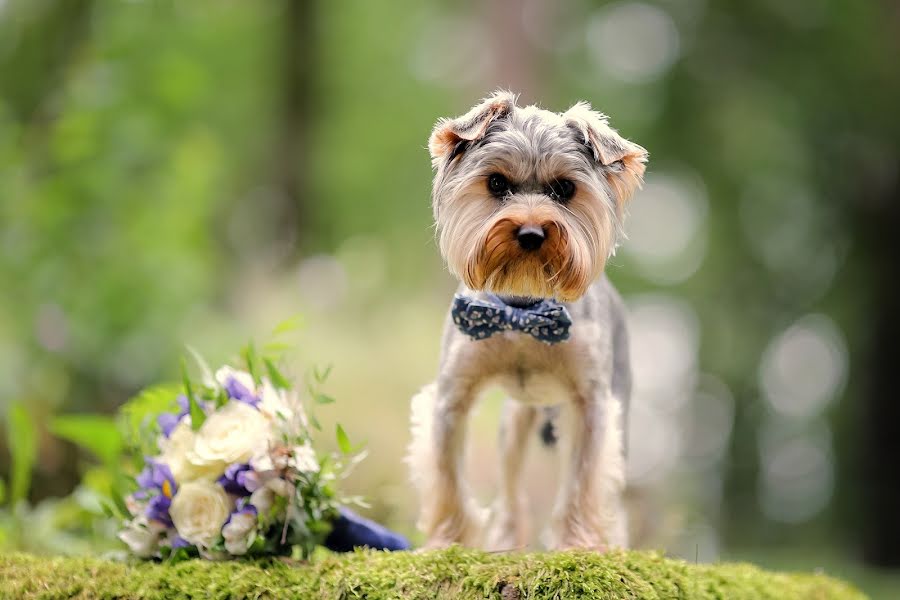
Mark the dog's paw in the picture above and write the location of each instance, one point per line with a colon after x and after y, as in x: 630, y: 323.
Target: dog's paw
x: 506, y: 530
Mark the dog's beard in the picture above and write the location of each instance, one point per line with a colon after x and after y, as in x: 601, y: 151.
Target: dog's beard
x: 490, y: 258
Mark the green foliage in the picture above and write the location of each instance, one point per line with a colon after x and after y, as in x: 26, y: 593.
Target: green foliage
x: 97, y: 433
x: 342, y: 439
x: 275, y: 376
x: 251, y: 361
x: 137, y: 417
x: 455, y: 573
x: 23, y: 442
x: 197, y: 415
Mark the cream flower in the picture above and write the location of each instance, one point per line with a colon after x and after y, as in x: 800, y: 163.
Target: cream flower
x: 142, y: 536
x: 262, y: 498
x: 266, y: 462
x: 240, y: 532
x: 303, y: 458
x: 199, y: 510
x: 280, y: 486
x: 174, y: 453
x: 281, y: 405
x: 230, y: 435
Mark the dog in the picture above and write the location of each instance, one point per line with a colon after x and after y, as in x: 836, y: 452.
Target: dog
x: 528, y: 207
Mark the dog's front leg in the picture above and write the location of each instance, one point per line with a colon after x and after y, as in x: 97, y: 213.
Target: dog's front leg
x: 508, y: 529
x: 448, y: 514
x: 589, y: 512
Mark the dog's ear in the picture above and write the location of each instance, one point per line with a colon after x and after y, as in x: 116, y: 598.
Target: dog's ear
x: 451, y: 136
x: 624, y: 162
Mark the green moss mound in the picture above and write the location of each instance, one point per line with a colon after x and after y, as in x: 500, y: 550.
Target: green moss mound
x: 455, y: 573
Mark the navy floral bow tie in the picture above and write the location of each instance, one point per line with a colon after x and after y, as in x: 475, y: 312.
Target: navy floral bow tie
x: 480, y: 318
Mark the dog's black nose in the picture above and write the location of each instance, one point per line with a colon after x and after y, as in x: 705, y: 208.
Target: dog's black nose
x: 530, y: 237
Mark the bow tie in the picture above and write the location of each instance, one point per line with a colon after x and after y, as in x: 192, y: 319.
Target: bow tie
x: 480, y: 318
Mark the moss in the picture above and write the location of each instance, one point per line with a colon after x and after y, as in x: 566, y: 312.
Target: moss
x: 453, y: 573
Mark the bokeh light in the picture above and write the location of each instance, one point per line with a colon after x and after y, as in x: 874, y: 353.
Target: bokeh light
x: 804, y: 367
x: 666, y: 227
x: 632, y: 41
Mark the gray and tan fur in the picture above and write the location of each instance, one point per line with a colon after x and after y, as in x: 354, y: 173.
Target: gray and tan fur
x: 480, y: 233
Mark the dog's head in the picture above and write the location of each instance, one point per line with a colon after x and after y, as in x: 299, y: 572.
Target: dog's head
x: 529, y: 202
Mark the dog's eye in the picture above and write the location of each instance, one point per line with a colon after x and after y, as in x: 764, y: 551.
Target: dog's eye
x: 498, y: 184
x: 561, y: 190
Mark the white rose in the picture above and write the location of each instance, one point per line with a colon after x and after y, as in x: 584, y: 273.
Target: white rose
x: 230, y: 435
x: 303, y: 458
x: 174, y: 453
x: 141, y: 536
x: 198, y: 511
x: 239, y: 533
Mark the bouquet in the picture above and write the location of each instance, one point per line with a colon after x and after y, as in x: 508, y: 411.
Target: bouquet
x: 232, y: 471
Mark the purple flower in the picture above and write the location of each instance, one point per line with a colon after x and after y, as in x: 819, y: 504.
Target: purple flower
x: 235, y: 479
x: 243, y: 508
x: 158, y: 509
x: 238, y: 391
x: 180, y: 542
x: 167, y: 422
x: 158, y: 484
x: 184, y: 406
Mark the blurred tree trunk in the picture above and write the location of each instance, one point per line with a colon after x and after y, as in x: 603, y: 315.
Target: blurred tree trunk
x: 293, y: 138
x: 881, y: 426
x: 516, y: 66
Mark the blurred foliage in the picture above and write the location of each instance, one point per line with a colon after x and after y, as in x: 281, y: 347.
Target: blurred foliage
x: 71, y: 525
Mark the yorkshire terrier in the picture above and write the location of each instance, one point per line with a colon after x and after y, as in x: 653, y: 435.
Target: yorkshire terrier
x: 529, y: 206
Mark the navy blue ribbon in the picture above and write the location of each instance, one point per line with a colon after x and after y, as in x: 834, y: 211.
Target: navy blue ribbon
x: 349, y: 531
x: 480, y: 318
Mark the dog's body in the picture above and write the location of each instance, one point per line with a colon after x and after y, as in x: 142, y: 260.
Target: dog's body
x: 544, y: 233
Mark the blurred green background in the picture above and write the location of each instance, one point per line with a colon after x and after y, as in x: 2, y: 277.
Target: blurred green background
x: 196, y: 172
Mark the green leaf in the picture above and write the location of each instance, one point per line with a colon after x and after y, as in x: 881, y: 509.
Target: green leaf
x: 23, y: 450
x: 251, y: 360
x: 288, y: 325
x: 342, y: 440
x: 321, y: 376
x: 221, y: 399
x: 178, y: 555
x: 323, y: 399
x: 315, y: 422
x: 2, y: 491
x: 119, y: 503
x: 205, y: 371
x: 276, y: 349
x: 107, y: 510
x: 95, y: 433
x: 142, y: 410
x: 197, y: 414
x: 278, y: 380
